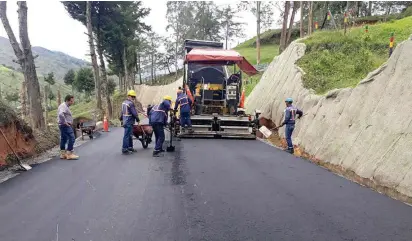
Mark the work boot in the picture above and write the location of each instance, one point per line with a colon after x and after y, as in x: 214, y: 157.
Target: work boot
x: 132, y: 149
x: 63, y: 154
x: 71, y: 156
x: 157, y: 153
x: 290, y: 150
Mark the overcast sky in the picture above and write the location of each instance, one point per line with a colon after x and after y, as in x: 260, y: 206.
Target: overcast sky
x: 51, y: 27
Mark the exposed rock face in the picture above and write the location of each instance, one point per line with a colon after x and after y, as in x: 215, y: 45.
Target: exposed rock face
x: 366, y: 129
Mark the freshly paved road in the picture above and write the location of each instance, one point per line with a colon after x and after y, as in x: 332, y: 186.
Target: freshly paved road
x: 206, y: 190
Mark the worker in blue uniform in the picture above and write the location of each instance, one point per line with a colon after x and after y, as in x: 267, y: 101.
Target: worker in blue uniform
x: 158, y: 116
x: 128, y: 116
x: 185, y: 104
x: 290, y: 118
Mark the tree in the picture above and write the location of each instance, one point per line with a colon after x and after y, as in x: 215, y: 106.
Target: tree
x: 206, y: 21
x: 263, y: 12
x: 231, y: 27
x: 180, y: 19
x: 283, y: 36
x: 50, y: 95
x: 50, y: 78
x: 111, y: 86
x: 292, y: 19
x: 84, y: 81
x: 117, y: 26
x: 69, y: 77
x: 26, y: 61
x: 93, y: 55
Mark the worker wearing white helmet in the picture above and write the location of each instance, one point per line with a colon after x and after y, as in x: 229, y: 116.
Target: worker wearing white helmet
x: 128, y: 116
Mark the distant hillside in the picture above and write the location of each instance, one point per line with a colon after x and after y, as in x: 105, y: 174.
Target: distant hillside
x: 48, y: 61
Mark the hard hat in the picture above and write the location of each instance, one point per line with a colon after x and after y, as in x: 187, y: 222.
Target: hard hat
x: 167, y: 97
x: 131, y: 93
x: 289, y: 100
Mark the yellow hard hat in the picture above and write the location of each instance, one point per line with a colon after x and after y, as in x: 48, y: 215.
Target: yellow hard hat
x: 167, y: 97
x: 131, y: 93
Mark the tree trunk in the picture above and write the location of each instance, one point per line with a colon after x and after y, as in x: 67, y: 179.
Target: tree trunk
x: 152, y: 68
x: 258, y: 32
x: 176, y: 49
x: 283, y: 35
x: 302, y: 34
x: 227, y: 32
x: 121, y: 82
x: 23, y: 99
x: 26, y: 62
x: 370, y: 8
x: 45, y: 105
x: 292, y: 19
x: 310, y: 20
x: 104, y: 77
x: 59, y: 97
x: 93, y: 56
x: 29, y: 70
x: 140, y: 69
x: 126, y: 73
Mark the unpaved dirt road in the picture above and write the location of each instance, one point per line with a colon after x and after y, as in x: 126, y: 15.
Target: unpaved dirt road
x: 206, y: 190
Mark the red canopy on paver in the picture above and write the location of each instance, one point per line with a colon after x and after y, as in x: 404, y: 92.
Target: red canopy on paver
x: 220, y: 56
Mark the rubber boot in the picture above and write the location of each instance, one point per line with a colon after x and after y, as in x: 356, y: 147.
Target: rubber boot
x: 63, y: 154
x: 71, y: 156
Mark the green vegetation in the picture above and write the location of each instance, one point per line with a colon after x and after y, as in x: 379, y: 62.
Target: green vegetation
x: 333, y: 60
x: 269, y: 49
x: 79, y: 109
x: 11, y: 83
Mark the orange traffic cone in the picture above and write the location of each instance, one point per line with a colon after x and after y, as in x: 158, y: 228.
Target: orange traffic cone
x: 105, y: 124
x: 242, y: 99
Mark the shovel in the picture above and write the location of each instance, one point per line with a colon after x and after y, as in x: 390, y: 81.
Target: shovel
x: 22, y: 165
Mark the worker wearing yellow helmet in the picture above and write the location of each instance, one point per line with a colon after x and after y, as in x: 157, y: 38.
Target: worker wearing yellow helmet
x: 158, y: 116
x: 128, y: 116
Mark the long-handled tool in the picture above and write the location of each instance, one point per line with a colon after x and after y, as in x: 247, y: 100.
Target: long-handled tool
x: 171, y: 148
x: 22, y: 165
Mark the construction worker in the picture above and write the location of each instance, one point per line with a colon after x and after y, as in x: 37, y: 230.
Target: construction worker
x: 128, y: 116
x: 65, y: 122
x: 158, y: 116
x: 185, y: 107
x: 290, y: 119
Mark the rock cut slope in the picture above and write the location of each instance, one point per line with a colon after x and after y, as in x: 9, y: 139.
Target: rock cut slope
x: 365, y: 130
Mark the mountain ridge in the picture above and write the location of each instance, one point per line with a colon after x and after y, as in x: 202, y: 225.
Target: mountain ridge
x: 47, y: 61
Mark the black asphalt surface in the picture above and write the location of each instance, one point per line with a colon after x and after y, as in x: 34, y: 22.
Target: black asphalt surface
x: 206, y: 190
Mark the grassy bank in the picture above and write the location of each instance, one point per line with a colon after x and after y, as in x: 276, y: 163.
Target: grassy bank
x: 334, y: 60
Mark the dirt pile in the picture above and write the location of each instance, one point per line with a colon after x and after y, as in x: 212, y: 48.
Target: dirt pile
x: 363, y: 130
x: 22, y: 139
